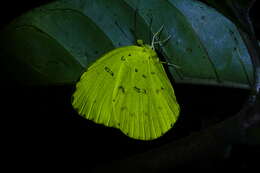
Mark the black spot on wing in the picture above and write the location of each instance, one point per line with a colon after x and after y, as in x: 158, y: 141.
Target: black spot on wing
x: 140, y: 90
x: 144, y: 76
x: 121, y: 88
x: 159, y: 90
x: 123, y: 108
x: 136, y: 70
x: 107, y: 69
x: 122, y: 58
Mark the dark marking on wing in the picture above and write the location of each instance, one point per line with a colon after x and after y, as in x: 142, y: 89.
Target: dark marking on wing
x: 144, y: 76
x: 137, y: 89
x: 121, y: 88
x: 109, y: 71
x: 136, y: 70
x: 123, y: 108
x: 129, y: 54
x: 140, y: 90
x: 122, y: 58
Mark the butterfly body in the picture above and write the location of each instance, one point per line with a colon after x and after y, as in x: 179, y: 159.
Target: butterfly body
x: 127, y: 88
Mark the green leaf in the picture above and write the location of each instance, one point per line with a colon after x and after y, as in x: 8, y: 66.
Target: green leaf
x: 54, y: 44
x: 236, y: 10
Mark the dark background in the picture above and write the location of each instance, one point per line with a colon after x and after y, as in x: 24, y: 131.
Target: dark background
x: 41, y: 131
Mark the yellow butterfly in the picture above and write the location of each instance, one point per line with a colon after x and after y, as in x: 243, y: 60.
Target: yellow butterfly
x: 128, y: 88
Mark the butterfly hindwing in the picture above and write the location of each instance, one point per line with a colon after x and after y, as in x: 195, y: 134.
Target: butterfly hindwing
x: 145, y: 105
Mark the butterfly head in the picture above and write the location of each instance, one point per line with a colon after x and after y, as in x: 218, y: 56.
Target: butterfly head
x: 147, y: 48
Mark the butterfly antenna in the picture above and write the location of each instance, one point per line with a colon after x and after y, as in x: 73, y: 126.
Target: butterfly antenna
x: 170, y: 64
x: 174, y: 65
x: 163, y: 41
x: 154, y: 36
